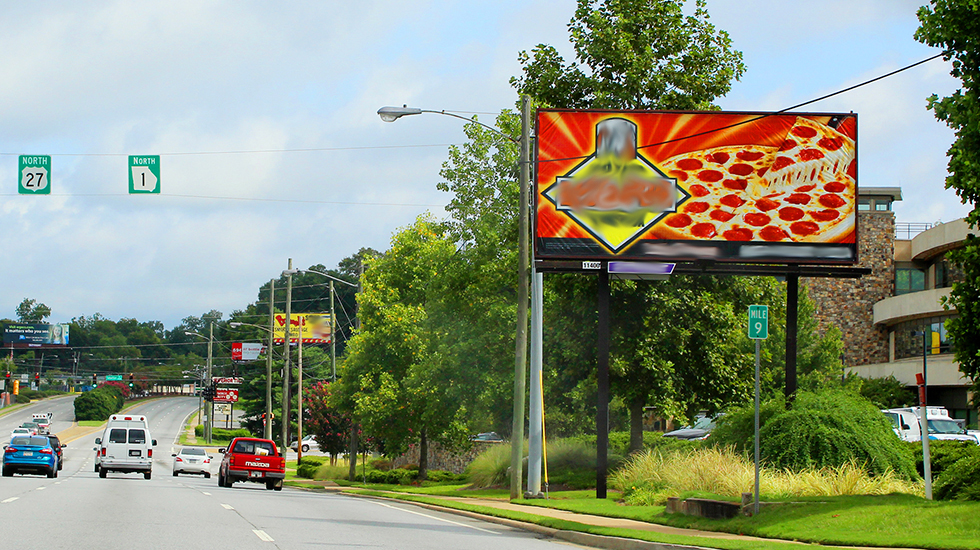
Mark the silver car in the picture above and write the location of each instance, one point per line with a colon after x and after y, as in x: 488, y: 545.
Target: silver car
x: 192, y: 460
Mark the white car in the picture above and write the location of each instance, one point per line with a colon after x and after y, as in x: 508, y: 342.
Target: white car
x: 22, y: 431
x: 309, y: 442
x: 192, y: 460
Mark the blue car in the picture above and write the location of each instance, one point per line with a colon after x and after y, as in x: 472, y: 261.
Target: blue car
x: 30, y: 454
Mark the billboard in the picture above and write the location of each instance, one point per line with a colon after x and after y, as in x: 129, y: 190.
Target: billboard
x: 35, y: 335
x: 315, y: 328
x: 684, y: 186
x: 243, y: 351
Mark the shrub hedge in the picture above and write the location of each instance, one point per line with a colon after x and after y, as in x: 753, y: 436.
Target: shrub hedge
x: 310, y: 465
x: 98, y: 404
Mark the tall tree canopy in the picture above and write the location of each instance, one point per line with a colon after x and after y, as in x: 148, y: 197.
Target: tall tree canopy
x: 954, y: 26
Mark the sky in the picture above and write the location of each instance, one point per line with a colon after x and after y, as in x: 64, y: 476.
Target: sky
x: 264, y: 118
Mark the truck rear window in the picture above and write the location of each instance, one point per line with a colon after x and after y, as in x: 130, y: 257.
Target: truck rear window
x: 261, y: 448
x: 117, y: 435
x: 137, y: 436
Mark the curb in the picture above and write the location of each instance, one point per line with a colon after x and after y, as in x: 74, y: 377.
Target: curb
x: 575, y: 537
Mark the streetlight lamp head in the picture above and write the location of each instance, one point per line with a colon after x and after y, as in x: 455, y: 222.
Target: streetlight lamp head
x: 234, y: 324
x: 288, y: 272
x: 391, y: 114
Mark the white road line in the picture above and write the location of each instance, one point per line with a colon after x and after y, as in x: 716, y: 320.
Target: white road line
x: 227, y: 506
x: 11, y: 499
x: 41, y: 488
x: 263, y: 535
x: 205, y: 493
x: 436, y: 518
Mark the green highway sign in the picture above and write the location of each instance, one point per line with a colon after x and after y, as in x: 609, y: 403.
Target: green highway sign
x: 34, y: 175
x: 113, y: 378
x: 758, y: 322
x: 144, y: 174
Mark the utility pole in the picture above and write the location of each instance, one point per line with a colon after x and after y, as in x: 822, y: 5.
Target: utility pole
x: 286, y: 366
x: 333, y: 338
x: 210, y: 423
x: 267, y: 429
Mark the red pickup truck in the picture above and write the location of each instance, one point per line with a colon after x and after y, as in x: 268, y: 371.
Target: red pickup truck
x: 252, y: 459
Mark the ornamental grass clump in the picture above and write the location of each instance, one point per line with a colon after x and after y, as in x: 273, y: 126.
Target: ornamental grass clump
x: 649, y: 478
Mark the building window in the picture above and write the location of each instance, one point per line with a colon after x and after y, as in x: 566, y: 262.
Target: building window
x: 882, y: 205
x: 908, y: 344
x: 864, y: 205
x: 909, y: 279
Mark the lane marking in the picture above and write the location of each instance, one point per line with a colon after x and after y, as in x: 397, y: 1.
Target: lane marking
x: 11, y: 499
x: 438, y: 518
x: 205, y: 493
x: 263, y: 536
x: 227, y: 506
x: 41, y: 488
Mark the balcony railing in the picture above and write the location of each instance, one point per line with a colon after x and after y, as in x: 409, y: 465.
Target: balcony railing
x: 906, y: 230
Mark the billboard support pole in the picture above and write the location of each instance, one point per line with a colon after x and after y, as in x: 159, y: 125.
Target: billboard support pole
x: 792, y: 310
x: 602, y: 376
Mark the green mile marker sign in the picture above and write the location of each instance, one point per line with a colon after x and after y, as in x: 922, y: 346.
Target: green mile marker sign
x: 34, y: 175
x: 758, y: 322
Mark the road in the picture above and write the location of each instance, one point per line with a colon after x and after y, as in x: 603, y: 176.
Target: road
x: 78, y: 510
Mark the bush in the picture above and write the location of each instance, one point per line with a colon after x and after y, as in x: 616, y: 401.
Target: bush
x: 960, y: 481
x: 826, y: 429
x: 380, y: 464
x: 310, y: 466
x: 442, y: 476
x: 98, y: 404
x: 489, y: 468
x: 221, y: 433
x: 942, y: 454
x: 23, y: 399
x: 396, y: 476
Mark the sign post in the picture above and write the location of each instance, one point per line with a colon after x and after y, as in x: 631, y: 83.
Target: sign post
x: 34, y: 175
x: 758, y: 330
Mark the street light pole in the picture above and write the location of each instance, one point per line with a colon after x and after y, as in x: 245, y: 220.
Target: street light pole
x: 267, y: 428
x: 286, y: 366
x: 209, y: 427
x: 390, y: 114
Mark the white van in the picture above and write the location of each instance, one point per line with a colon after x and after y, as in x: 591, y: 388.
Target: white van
x: 905, y: 423
x: 125, y: 446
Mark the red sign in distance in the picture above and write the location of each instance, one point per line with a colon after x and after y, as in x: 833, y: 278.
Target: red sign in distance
x: 226, y: 395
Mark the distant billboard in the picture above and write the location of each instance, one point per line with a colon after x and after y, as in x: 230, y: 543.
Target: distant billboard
x: 35, y: 335
x: 680, y: 186
x: 243, y: 351
x: 315, y: 328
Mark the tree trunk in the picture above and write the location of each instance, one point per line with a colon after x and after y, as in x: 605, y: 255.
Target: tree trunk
x: 423, y: 457
x: 352, y: 455
x: 636, y: 424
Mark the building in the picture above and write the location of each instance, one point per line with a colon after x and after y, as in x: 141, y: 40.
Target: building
x: 883, y: 315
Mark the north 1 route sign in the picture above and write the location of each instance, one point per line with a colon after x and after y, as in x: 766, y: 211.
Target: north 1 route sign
x: 34, y: 175
x: 144, y: 174
x: 758, y: 322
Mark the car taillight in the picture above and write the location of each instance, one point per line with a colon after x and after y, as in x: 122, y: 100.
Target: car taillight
x: 178, y: 459
x: 47, y: 452
x: 12, y: 449
x: 149, y: 453
x: 207, y: 460
x: 103, y: 451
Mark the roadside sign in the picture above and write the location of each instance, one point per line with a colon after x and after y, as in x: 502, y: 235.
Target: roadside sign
x: 758, y: 322
x: 113, y: 378
x: 34, y: 175
x: 144, y: 174
x: 226, y: 395
x: 222, y: 408
x: 227, y: 380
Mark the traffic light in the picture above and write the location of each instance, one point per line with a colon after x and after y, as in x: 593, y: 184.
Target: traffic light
x: 95, y: 379
x: 37, y: 376
x: 130, y: 380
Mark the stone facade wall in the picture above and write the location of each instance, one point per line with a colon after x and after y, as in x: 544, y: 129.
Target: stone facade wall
x: 849, y: 303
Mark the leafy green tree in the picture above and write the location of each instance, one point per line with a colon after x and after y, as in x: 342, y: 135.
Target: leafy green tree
x: 394, y: 369
x: 32, y: 311
x: 887, y: 393
x: 330, y: 424
x: 954, y: 26
x: 634, y: 54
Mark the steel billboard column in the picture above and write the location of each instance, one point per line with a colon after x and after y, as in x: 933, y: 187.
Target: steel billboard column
x: 602, y: 376
x: 792, y: 311
x: 536, y: 401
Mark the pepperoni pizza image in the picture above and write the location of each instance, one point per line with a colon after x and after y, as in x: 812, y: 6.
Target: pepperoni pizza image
x: 804, y: 190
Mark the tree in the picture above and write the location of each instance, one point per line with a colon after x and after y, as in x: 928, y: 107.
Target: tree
x: 637, y: 54
x: 634, y: 54
x: 954, y: 25
x: 32, y: 311
x: 328, y: 422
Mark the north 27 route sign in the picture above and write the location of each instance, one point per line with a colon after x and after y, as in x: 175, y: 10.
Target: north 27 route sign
x: 144, y: 174
x: 758, y: 322
x: 34, y: 175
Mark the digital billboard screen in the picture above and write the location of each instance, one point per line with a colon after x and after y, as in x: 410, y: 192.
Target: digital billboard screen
x: 707, y: 185
x: 35, y: 335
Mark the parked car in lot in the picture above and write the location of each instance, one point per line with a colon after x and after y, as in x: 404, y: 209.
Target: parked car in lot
x: 487, y: 437
x: 192, y: 460
x: 700, y: 429
x: 31, y: 454
x: 309, y: 442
